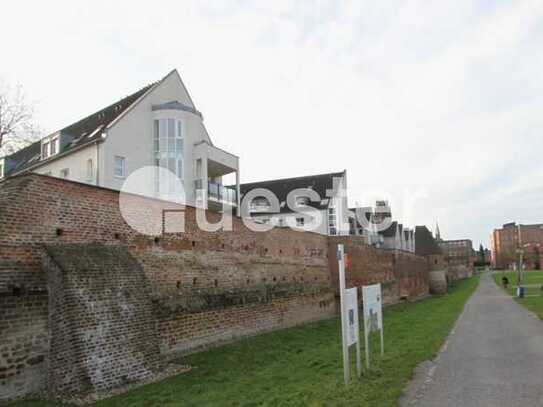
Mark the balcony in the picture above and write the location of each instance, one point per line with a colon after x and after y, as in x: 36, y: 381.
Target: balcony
x: 211, y: 165
x: 223, y: 194
x: 218, y: 194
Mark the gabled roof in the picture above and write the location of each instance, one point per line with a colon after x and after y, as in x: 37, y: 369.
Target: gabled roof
x: 425, y: 244
x: 80, y: 133
x: 391, y: 230
x: 23, y: 157
x: 282, y: 187
x: 368, y: 214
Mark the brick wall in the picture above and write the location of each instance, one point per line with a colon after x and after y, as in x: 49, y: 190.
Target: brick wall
x: 24, y: 344
x: 402, y: 274
x: 102, y: 326
x: 205, y: 287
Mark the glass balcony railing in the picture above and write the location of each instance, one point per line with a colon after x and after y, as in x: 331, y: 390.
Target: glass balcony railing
x: 219, y: 192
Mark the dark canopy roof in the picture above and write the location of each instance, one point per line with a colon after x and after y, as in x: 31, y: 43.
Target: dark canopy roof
x: 282, y: 187
x: 391, y: 230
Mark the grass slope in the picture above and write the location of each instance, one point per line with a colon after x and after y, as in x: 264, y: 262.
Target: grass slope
x: 534, y: 299
x: 301, y: 366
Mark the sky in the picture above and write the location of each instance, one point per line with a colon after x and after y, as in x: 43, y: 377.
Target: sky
x: 435, y: 106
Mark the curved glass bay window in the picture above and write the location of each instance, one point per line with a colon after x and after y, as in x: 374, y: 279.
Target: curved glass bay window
x: 168, y: 150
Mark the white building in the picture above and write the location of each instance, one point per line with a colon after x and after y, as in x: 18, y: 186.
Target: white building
x: 317, y: 203
x: 362, y: 222
x: 158, y: 125
x: 398, y: 237
x: 368, y: 222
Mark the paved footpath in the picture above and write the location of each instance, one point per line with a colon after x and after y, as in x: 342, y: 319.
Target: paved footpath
x: 494, y: 357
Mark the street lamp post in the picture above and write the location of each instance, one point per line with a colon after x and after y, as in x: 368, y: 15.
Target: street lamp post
x: 520, y: 253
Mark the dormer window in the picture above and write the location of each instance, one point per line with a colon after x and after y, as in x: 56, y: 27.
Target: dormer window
x: 302, y: 200
x: 45, y: 150
x: 260, y: 204
x: 53, y: 146
x: 50, y: 147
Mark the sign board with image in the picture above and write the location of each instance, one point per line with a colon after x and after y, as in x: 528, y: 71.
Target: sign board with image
x: 373, y: 315
x: 351, y: 305
x: 349, y: 318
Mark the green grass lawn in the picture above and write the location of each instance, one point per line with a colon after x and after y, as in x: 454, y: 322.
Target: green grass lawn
x: 301, y: 366
x: 534, y: 301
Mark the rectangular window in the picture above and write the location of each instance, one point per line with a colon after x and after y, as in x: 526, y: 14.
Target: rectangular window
x: 1, y: 171
x: 163, y: 136
x: 156, y: 137
x: 179, y: 138
x: 179, y: 130
x: 45, y: 150
x: 180, y: 169
x: 65, y: 173
x: 90, y: 170
x: 300, y: 221
x: 171, y: 135
x: 54, y: 146
x: 168, y: 145
x: 118, y: 169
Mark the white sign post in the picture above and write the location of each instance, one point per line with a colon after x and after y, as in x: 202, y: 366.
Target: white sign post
x: 350, y: 332
x: 373, y: 316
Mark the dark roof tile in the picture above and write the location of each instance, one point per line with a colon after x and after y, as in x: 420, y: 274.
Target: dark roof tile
x: 282, y: 187
x: 82, y: 132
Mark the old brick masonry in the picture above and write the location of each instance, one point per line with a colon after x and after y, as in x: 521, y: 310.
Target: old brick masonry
x: 88, y: 304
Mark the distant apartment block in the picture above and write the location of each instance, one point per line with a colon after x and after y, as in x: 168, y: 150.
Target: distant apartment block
x: 158, y: 125
x: 458, y: 252
x: 506, y: 242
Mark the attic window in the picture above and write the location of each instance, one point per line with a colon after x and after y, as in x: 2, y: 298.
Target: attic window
x: 302, y: 200
x: 260, y: 204
x: 45, y: 150
x: 50, y: 147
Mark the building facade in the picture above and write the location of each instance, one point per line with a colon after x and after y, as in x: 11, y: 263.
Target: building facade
x: 506, y: 242
x: 316, y: 203
x: 396, y: 236
x: 158, y: 125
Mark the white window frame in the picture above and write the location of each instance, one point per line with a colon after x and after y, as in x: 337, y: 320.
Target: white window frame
x: 45, y: 149
x: 177, y: 143
x: 2, y: 170
x: 54, y: 144
x: 90, y: 170
x: 123, y: 166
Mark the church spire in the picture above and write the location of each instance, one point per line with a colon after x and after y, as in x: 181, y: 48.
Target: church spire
x: 438, y: 233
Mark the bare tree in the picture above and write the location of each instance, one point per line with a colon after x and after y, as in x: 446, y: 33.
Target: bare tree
x: 17, y: 126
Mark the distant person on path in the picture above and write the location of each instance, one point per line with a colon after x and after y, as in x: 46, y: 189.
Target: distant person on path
x: 505, y: 281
